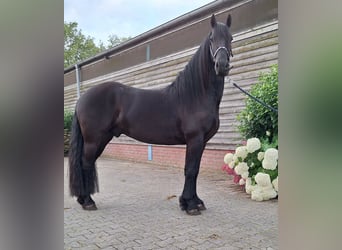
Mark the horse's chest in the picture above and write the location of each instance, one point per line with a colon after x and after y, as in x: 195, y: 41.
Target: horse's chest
x: 212, y: 126
x: 205, y: 122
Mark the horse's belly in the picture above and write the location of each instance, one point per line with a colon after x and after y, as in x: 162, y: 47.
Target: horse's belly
x: 157, y: 138
x: 155, y: 133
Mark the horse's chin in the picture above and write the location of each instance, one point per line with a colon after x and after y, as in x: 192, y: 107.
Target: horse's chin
x: 222, y: 72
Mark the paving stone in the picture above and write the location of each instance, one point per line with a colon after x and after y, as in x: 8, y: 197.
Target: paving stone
x: 134, y: 212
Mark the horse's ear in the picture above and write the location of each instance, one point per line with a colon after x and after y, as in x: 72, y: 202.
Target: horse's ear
x: 213, y: 21
x: 229, y: 21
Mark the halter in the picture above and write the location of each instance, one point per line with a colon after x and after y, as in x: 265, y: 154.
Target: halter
x: 217, y: 50
x: 229, y: 53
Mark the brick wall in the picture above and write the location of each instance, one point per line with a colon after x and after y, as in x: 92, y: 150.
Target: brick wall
x: 162, y: 155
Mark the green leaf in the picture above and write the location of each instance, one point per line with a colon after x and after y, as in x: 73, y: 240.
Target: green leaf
x: 68, y: 116
x: 78, y: 47
x: 256, y: 119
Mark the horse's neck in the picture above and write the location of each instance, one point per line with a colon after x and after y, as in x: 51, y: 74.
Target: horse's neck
x: 215, y: 88
x: 198, y: 81
x: 213, y: 84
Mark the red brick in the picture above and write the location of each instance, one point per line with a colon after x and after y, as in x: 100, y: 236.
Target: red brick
x: 162, y: 155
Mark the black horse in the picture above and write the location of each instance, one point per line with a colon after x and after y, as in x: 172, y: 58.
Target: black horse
x: 185, y: 112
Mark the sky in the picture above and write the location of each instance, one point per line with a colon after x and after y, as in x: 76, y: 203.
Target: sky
x: 101, y: 18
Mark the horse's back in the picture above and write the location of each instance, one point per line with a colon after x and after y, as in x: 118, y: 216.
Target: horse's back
x: 99, y: 95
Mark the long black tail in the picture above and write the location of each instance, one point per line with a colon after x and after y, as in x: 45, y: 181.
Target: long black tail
x: 82, y: 181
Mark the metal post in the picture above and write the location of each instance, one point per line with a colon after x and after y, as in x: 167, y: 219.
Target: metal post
x: 149, y: 152
x: 148, y: 52
x: 149, y: 147
x: 78, y: 81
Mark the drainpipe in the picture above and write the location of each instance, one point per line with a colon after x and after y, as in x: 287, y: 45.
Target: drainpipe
x: 78, y: 81
x: 149, y: 147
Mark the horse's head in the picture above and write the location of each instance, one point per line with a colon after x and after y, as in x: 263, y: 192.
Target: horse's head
x: 220, y: 45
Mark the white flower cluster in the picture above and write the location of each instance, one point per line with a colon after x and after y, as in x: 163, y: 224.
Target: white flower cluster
x: 275, y: 184
x: 228, y: 158
x: 242, y: 169
x: 270, y: 160
x: 253, y: 144
x: 241, y: 152
x: 264, y: 189
x: 261, y: 156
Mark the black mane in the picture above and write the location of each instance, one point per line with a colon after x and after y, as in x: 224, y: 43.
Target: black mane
x: 192, y: 82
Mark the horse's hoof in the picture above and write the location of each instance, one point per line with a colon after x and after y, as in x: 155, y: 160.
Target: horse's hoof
x: 182, y: 204
x: 194, y: 211
x: 201, y: 207
x: 89, y: 207
x: 80, y: 200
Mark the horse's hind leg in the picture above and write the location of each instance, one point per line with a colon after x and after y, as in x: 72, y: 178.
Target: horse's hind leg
x: 91, y: 151
x: 89, y: 176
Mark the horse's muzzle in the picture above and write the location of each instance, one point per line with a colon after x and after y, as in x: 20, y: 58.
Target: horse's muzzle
x: 222, y: 69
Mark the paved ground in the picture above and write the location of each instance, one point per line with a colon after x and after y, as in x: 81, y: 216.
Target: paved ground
x: 137, y: 210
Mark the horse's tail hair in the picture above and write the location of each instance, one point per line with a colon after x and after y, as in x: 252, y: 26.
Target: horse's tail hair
x: 76, y: 182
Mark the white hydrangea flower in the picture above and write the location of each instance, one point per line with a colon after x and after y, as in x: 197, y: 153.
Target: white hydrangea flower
x: 248, y: 186
x: 235, y: 158
x: 263, y: 179
x: 260, y: 193
x: 275, y: 184
x: 228, y: 158
x: 241, y: 168
x: 256, y: 194
x: 271, y: 154
x: 231, y: 164
x: 242, y: 181
x: 241, y: 152
x: 245, y: 174
x: 261, y: 156
x: 269, y: 164
x: 268, y: 193
x: 253, y: 144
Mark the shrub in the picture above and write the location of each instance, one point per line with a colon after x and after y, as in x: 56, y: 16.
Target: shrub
x: 68, y: 116
x: 255, y: 120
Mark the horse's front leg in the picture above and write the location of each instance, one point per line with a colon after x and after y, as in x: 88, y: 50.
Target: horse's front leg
x: 189, y: 200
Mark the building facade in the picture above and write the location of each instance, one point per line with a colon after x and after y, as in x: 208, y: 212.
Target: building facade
x: 154, y: 59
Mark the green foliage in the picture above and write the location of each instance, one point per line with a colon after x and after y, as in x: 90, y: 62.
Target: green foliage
x: 68, y: 116
x: 255, y: 120
x: 255, y: 165
x: 78, y: 47
x: 267, y: 143
x: 114, y: 40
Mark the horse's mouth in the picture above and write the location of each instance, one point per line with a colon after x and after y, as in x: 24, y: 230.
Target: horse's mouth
x: 223, y: 72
